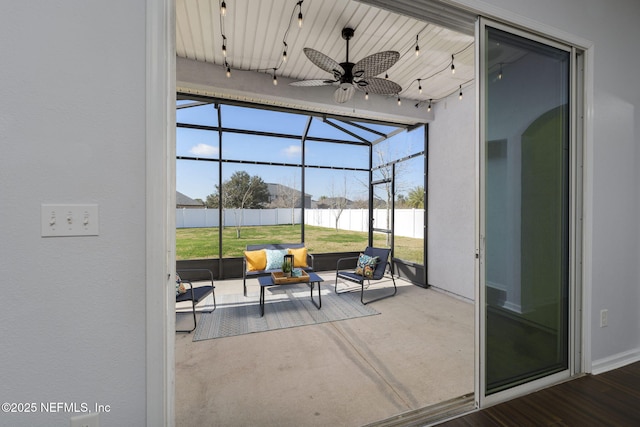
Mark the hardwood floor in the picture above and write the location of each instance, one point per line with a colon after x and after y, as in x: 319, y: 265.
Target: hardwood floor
x: 609, y: 399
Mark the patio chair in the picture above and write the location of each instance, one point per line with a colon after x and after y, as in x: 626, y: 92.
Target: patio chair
x: 193, y: 294
x: 360, y: 277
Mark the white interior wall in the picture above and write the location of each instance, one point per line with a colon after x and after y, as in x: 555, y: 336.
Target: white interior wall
x: 72, y: 125
x: 451, y: 195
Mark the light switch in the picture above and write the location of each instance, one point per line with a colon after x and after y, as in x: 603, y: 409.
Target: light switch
x: 69, y: 220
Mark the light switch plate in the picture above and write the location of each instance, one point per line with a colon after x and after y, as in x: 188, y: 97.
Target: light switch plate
x: 59, y: 220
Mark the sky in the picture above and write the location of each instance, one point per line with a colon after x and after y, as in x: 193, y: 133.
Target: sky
x: 197, y: 179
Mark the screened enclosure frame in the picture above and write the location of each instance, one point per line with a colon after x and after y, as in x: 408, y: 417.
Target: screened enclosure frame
x: 353, y: 131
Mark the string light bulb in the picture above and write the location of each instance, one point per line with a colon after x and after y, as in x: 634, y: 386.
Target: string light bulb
x: 284, y: 52
x: 366, y: 95
x: 460, y: 95
x: 228, y: 69
x: 399, y: 102
x: 429, y: 107
x: 500, y: 73
x: 275, y: 79
x: 419, y: 87
x: 417, y: 47
x: 300, y: 15
x: 223, y: 9
x: 453, y: 67
x: 224, y: 46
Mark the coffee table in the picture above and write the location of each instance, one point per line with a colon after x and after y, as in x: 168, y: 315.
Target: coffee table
x: 266, y: 281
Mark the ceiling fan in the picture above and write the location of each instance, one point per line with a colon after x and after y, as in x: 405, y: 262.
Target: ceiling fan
x: 350, y: 76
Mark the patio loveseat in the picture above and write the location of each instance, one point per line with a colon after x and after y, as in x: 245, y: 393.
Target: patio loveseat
x: 254, y: 263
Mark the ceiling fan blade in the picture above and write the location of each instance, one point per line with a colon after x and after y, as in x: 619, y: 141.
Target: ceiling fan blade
x: 381, y: 86
x: 309, y: 83
x: 323, y: 61
x: 343, y: 93
x: 375, y: 64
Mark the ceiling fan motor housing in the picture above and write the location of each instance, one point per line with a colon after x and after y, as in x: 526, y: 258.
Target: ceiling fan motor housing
x: 347, y: 33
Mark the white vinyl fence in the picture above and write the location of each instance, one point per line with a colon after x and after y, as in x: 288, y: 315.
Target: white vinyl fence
x: 408, y: 222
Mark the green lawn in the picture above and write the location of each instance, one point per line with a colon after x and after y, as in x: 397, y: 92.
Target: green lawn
x: 198, y: 243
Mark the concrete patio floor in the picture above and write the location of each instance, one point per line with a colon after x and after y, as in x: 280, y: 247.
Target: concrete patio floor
x: 417, y: 353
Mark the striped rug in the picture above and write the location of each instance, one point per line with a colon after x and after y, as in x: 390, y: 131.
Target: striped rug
x: 285, y: 307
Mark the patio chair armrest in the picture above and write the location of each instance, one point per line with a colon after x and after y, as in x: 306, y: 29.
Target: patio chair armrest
x: 345, y: 259
x: 187, y: 270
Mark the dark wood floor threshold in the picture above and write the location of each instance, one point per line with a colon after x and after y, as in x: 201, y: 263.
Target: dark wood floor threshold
x: 610, y: 399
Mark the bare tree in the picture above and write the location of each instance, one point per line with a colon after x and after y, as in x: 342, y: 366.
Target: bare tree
x: 338, y: 200
x: 387, y: 175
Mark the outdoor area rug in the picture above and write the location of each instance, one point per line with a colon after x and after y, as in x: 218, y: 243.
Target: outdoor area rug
x: 285, y: 307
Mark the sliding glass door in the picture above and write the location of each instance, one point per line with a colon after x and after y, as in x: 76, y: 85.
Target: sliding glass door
x: 525, y: 210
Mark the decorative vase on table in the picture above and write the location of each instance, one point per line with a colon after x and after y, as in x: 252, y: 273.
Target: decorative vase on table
x: 287, y: 265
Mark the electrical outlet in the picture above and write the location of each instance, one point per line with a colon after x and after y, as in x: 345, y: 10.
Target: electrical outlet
x: 604, y: 318
x: 86, y: 420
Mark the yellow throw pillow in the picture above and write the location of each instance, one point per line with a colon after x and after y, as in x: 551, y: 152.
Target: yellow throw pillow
x: 299, y: 257
x: 256, y: 260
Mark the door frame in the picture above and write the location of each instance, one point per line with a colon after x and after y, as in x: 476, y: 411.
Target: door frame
x: 160, y: 83
x: 578, y: 316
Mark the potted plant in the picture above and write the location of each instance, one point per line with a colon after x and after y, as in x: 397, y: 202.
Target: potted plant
x: 287, y: 265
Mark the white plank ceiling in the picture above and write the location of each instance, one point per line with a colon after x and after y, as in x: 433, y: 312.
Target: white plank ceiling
x: 255, y: 33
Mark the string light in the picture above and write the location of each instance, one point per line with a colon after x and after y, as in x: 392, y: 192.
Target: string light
x: 500, y: 73
x: 417, y: 47
x: 275, y: 79
x: 453, y: 67
x: 228, y: 69
x: 429, y: 107
x: 284, y: 52
x: 460, y: 95
x: 224, y: 46
x: 223, y: 9
x: 366, y: 95
x: 300, y: 15
x: 399, y: 102
x: 419, y: 87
